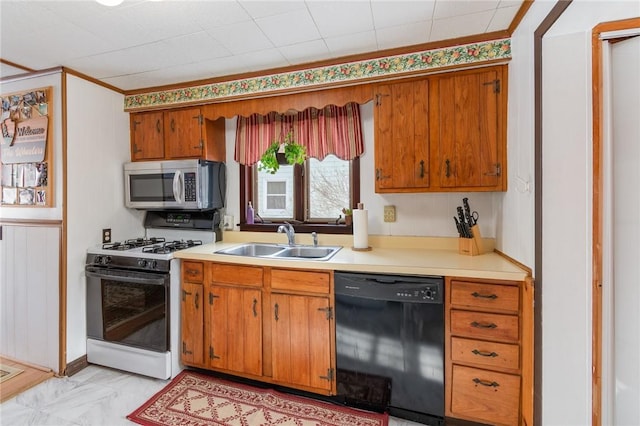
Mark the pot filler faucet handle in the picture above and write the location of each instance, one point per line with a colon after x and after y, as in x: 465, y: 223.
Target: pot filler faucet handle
x: 291, y: 233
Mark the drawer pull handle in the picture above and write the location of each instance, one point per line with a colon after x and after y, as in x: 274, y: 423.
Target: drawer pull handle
x: 484, y: 353
x: 477, y: 324
x: 484, y: 296
x: 485, y: 383
x: 193, y: 272
x: 254, y: 307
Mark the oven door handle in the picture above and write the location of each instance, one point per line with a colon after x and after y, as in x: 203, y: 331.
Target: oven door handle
x: 126, y: 276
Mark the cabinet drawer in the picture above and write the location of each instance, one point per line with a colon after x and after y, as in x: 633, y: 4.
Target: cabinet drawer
x: 492, y: 296
x: 315, y: 282
x: 480, y: 325
x: 234, y: 274
x: 488, y: 354
x: 485, y: 395
x: 192, y: 271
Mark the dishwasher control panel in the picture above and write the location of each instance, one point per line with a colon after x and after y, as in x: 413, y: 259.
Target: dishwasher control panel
x: 392, y: 288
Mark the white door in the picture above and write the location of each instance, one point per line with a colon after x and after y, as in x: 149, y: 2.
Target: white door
x: 624, y: 172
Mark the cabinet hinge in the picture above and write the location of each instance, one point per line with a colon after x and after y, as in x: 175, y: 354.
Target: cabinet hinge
x: 329, y: 376
x: 200, y: 119
x: 211, y: 297
x: 211, y: 354
x: 379, y: 98
x: 184, y: 349
x: 496, y: 85
x: 496, y: 171
x: 328, y: 312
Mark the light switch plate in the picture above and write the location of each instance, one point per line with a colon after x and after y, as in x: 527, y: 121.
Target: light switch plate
x: 389, y: 213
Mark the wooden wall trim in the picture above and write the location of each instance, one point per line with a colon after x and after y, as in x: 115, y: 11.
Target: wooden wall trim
x: 598, y: 208
x: 86, y: 77
x: 63, y: 232
x: 31, y: 222
x: 14, y: 65
x: 539, y: 33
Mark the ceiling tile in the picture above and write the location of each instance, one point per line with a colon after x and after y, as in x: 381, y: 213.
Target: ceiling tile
x: 315, y: 50
x: 211, y: 14
x: 393, y: 13
x: 261, y: 8
x: 403, y: 35
x: 241, y: 38
x: 352, y: 44
x: 502, y: 18
x: 459, y: 26
x: 447, y: 8
x: 278, y: 28
x: 354, y: 17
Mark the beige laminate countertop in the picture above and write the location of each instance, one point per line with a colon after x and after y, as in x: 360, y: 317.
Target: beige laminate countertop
x: 404, y: 255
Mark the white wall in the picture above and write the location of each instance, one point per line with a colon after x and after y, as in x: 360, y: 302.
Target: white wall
x: 97, y: 147
x: 417, y: 214
x: 566, y: 233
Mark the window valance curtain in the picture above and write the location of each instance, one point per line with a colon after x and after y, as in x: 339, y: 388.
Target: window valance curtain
x: 333, y: 130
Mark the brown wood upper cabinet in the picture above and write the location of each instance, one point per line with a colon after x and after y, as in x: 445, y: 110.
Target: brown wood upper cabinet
x: 176, y: 134
x: 401, y: 136
x: 442, y: 133
x: 467, y: 111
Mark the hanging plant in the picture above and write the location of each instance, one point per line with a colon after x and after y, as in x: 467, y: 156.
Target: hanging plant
x: 294, y: 153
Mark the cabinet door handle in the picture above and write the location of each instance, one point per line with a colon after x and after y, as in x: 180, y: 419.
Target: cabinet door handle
x: 484, y: 296
x: 197, y: 301
x: 275, y: 311
x: 447, y: 170
x: 484, y: 353
x: 485, y: 383
x: 477, y: 324
x: 255, y: 310
x: 158, y: 127
x: 173, y: 125
x: 421, y: 169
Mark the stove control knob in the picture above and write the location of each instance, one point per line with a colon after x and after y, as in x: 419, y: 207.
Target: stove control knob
x: 142, y: 263
x: 152, y: 264
x: 105, y: 260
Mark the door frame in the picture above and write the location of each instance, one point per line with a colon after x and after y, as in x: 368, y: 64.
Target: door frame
x: 600, y: 37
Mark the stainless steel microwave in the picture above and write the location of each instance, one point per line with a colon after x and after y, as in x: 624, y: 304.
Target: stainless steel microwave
x: 175, y: 185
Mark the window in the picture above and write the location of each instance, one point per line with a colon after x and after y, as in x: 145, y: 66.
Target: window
x: 314, y: 193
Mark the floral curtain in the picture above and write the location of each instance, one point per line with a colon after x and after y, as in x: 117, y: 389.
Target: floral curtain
x: 331, y: 130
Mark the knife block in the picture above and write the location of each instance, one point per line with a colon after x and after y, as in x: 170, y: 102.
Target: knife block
x: 471, y: 246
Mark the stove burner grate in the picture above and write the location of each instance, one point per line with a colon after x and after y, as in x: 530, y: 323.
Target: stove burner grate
x: 132, y: 243
x: 171, y: 246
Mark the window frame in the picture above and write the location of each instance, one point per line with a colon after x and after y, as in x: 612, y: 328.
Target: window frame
x: 246, y: 191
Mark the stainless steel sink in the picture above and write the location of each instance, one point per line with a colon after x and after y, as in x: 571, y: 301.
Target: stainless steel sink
x: 307, y: 252
x: 279, y: 251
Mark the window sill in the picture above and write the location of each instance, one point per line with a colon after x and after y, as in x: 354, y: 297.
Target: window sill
x: 303, y: 228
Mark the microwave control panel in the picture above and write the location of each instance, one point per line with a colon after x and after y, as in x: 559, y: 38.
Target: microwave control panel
x: 190, y: 187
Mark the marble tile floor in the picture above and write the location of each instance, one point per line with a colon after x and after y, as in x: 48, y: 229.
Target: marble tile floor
x: 94, y: 396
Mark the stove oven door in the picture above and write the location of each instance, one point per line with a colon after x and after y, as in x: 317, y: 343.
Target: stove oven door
x: 128, y: 307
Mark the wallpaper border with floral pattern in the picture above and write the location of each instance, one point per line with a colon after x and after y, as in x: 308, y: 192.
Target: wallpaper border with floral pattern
x: 341, y: 73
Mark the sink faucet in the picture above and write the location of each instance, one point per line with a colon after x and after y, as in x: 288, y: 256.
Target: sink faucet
x: 314, y: 235
x: 291, y: 233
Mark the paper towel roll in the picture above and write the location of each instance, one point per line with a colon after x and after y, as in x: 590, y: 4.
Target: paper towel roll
x: 360, y: 229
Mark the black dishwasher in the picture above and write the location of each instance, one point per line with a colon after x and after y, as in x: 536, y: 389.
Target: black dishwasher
x: 390, y: 344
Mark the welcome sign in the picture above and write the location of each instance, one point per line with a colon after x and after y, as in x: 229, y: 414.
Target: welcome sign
x: 29, y: 141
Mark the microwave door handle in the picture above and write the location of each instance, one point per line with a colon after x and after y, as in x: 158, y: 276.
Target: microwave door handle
x: 178, y: 187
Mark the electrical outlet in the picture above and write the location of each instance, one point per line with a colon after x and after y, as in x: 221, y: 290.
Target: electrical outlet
x: 389, y: 213
x: 106, y: 235
x: 228, y: 222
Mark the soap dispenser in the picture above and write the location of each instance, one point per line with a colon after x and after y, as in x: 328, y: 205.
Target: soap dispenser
x: 249, y: 214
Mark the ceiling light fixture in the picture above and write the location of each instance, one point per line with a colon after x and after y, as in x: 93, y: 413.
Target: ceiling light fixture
x: 110, y: 2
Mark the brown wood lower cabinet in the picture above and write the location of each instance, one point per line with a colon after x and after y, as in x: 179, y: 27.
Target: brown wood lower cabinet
x: 269, y: 324
x: 489, y: 351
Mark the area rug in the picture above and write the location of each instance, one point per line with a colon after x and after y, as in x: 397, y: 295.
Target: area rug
x: 7, y: 372
x: 194, y: 399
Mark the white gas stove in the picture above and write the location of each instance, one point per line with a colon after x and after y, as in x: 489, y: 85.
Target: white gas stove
x: 133, y: 294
